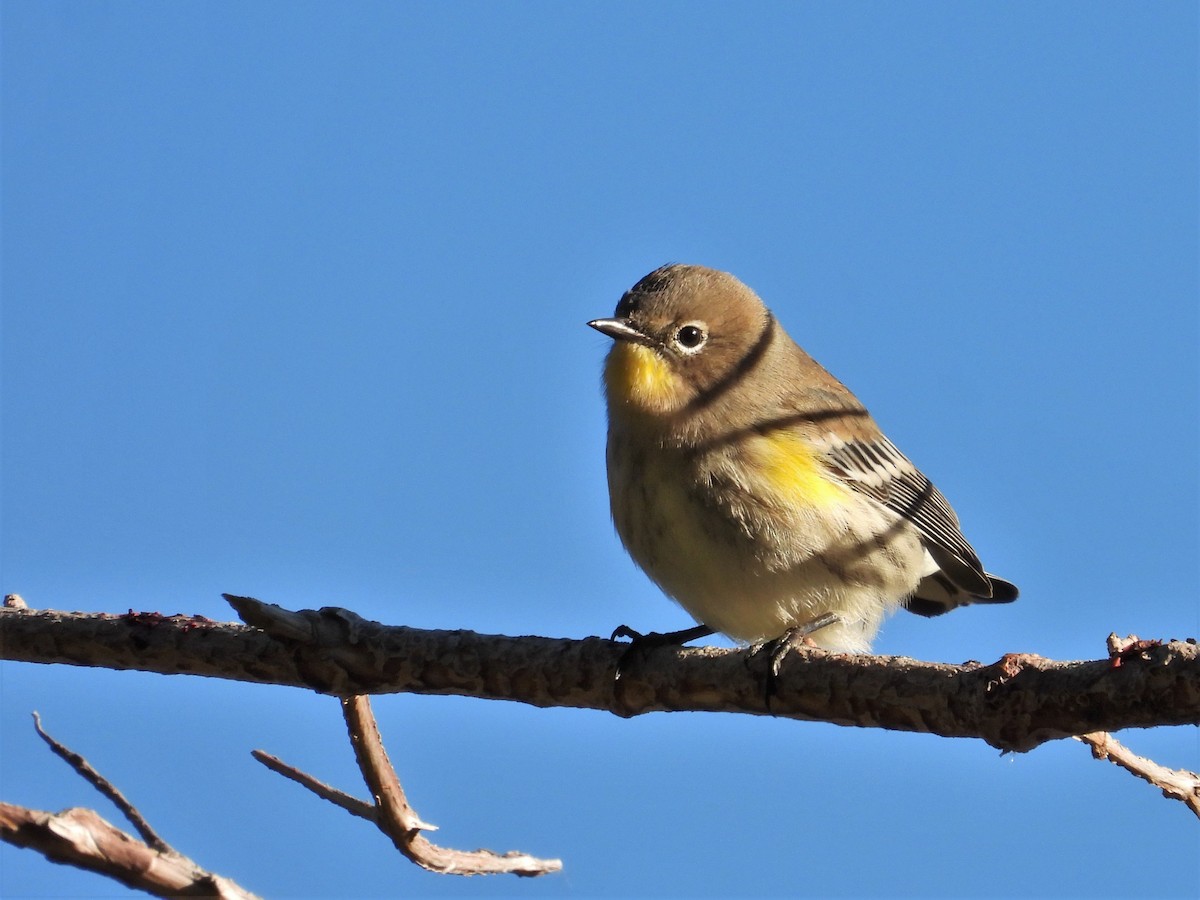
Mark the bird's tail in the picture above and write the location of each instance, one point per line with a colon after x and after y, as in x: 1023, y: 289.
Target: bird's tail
x: 937, y: 594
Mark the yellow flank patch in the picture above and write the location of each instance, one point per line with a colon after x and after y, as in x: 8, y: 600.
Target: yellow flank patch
x: 791, y: 468
x: 637, y: 375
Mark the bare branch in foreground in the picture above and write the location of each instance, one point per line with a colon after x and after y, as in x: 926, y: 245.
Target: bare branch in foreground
x: 83, y: 839
x: 1176, y: 784
x: 392, y: 813
x: 85, y: 771
x: 1017, y: 703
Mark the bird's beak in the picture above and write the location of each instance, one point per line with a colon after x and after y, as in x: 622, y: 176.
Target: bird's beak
x: 621, y: 330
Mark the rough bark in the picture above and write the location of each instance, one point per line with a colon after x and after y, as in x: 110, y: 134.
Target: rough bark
x: 1015, y: 703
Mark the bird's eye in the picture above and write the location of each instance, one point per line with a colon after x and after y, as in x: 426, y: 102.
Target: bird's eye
x: 691, y: 337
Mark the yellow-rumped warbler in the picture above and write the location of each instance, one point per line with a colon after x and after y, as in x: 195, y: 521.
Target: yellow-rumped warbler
x: 753, y: 487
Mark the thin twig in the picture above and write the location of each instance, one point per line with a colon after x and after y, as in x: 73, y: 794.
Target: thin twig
x: 85, y: 770
x: 350, y: 804
x: 1176, y: 784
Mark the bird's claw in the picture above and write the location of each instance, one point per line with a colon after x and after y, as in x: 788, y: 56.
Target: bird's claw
x: 641, y: 643
x: 795, y: 639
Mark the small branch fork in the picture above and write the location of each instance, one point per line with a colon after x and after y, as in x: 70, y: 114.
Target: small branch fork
x: 105, y: 787
x: 391, y: 812
x: 1176, y: 784
x: 83, y: 839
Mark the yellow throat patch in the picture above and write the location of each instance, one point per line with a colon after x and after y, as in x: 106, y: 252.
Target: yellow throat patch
x: 637, y: 376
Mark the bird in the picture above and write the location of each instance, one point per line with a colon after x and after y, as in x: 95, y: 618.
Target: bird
x: 754, y: 488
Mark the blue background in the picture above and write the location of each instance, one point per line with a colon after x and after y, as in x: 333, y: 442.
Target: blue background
x: 293, y: 306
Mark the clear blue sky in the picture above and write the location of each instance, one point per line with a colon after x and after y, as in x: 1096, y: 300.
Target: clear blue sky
x: 293, y: 306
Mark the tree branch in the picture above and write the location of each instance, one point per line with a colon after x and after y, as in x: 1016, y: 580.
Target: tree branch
x: 85, y: 771
x: 1017, y: 703
x: 399, y: 821
x: 391, y: 812
x: 352, y: 805
x: 1176, y: 784
x: 83, y: 839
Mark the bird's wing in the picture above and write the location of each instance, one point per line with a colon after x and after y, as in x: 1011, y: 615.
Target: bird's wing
x: 875, y: 467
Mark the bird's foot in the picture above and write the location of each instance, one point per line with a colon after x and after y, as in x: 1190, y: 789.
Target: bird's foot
x: 795, y: 639
x: 642, y: 643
